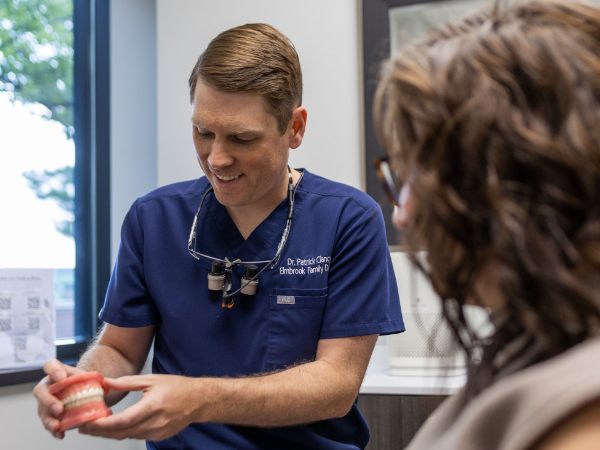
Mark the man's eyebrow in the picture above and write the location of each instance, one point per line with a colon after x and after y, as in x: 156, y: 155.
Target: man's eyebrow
x: 246, y: 130
x: 194, y: 121
x: 233, y: 131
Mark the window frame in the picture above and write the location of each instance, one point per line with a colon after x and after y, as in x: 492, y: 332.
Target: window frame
x: 91, y: 45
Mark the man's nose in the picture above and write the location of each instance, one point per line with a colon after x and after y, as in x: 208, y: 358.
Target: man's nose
x: 219, y: 156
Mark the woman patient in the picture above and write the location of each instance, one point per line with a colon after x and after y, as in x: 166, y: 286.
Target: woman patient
x: 492, y: 127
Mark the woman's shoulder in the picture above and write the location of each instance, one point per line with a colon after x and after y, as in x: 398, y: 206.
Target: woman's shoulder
x: 578, y: 431
x: 522, y: 409
x: 545, y: 396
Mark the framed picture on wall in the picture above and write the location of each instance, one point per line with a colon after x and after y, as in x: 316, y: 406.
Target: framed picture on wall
x: 387, y: 25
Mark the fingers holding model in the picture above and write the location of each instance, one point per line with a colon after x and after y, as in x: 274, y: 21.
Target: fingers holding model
x: 164, y: 410
x: 70, y: 396
x: 50, y: 408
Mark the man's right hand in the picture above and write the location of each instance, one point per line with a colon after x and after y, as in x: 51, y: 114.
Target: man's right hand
x: 51, y: 408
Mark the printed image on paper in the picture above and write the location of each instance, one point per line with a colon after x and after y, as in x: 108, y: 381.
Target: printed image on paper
x: 27, y: 318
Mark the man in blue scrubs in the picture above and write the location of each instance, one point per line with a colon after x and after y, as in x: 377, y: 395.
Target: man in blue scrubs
x: 279, y: 369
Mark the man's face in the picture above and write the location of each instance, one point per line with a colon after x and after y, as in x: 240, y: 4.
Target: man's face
x: 239, y: 147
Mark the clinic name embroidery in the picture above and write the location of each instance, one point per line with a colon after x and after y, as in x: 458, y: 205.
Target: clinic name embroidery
x: 298, y: 266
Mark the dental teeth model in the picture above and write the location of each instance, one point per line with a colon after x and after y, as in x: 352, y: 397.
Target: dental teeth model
x: 83, y: 399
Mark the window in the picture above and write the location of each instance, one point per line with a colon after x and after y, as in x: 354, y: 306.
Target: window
x: 54, y: 157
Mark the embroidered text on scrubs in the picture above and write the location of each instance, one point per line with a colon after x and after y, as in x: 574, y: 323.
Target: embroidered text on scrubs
x: 308, y: 261
x: 306, y: 266
x: 290, y: 271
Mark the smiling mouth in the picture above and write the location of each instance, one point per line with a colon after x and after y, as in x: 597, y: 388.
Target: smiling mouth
x: 222, y: 178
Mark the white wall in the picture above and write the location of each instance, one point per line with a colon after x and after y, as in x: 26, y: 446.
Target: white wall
x: 325, y: 34
x: 133, y: 173
x: 133, y: 107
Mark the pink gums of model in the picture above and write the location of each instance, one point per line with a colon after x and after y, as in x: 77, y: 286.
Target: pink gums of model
x: 83, y: 399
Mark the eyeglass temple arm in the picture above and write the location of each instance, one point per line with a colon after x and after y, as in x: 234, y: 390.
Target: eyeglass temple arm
x: 192, y: 233
x: 192, y: 237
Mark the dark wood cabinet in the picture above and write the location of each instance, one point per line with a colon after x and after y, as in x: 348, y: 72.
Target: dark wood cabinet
x: 394, y: 419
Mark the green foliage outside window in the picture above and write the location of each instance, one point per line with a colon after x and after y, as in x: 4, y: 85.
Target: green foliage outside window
x: 36, y: 66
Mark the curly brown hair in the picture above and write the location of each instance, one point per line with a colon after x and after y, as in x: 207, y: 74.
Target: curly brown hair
x: 495, y: 120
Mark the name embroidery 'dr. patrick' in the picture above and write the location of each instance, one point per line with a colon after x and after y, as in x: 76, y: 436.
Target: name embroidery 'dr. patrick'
x: 305, y: 266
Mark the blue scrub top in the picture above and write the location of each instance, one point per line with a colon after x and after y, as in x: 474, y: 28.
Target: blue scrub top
x: 336, y: 265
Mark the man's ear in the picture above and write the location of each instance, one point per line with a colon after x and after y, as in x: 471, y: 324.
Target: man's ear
x: 298, y: 126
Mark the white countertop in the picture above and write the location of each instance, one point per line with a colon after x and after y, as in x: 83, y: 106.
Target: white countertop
x: 377, y: 380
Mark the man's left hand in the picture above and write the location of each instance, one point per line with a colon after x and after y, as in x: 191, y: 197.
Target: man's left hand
x: 163, y: 411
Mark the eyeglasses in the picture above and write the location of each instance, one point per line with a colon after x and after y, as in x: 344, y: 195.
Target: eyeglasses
x: 390, y: 179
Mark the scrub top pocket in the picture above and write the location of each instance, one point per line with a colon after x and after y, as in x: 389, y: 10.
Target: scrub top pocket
x: 294, y: 325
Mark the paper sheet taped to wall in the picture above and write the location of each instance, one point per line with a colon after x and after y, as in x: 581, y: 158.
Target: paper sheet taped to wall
x: 27, y: 318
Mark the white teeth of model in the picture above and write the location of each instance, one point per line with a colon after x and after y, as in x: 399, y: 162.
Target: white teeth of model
x: 85, y: 396
x: 227, y: 178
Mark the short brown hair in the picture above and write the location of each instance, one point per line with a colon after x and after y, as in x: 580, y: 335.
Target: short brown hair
x: 253, y: 58
x: 496, y: 122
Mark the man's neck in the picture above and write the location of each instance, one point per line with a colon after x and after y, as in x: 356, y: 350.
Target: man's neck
x: 247, y: 218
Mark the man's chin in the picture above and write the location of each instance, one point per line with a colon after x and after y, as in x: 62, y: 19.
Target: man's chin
x: 228, y: 200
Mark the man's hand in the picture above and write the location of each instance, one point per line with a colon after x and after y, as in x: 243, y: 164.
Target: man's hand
x: 164, y: 410
x: 317, y: 390
x: 51, y: 408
